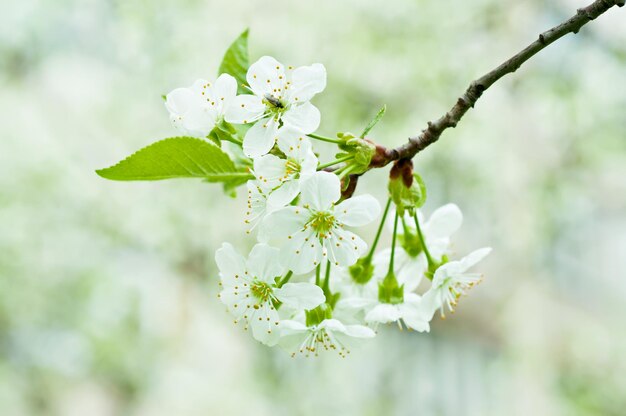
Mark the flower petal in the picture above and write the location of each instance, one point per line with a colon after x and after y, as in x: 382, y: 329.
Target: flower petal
x: 179, y: 100
x: 264, y: 76
x: 412, y: 270
x: 229, y: 262
x: 284, y: 194
x: 282, y: 223
x: 358, y: 211
x: 344, y: 247
x: 264, y: 323
x: 289, y: 327
x: 261, y: 137
x: 332, y: 325
x: 383, y: 313
x: 359, y: 331
x: 244, y: 109
x: 444, y: 222
x: 305, y: 117
x: 474, y: 257
x: 302, y: 253
x: 199, y: 120
x: 306, y: 82
x: 263, y: 263
x: 300, y: 295
x: 225, y: 89
x: 269, y: 170
x: 321, y: 190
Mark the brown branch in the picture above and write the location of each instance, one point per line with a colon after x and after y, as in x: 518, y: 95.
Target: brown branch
x: 434, y: 129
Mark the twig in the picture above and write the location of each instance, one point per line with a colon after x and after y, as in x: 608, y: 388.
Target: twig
x: 434, y: 129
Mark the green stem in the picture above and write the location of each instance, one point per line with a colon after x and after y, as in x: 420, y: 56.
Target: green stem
x: 285, y: 279
x: 423, y: 240
x: 346, y: 170
x: 379, y: 231
x: 325, y: 287
x: 334, y: 162
x: 234, y: 140
x: 317, y: 275
x: 393, y: 244
x: 324, y: 138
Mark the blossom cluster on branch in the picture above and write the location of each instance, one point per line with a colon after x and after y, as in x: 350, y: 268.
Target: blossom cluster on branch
x: 311, y: 282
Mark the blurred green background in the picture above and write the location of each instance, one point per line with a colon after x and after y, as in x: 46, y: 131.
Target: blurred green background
x: 108, y: 290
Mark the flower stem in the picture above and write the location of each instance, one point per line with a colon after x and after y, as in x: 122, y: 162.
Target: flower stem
x: 345, y: 171
x: 393, y: 245
x: 324, y: 138
x: 379, y: 231
x: 233, y: 139
x: 285, y: 279
x: 325, y: 286
x: 334, y: 162
x: 423, y: 240
x: 317, y: 275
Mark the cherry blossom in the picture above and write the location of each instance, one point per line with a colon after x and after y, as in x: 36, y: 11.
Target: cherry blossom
x: 197, y: 109
x: 251, y: 292
x: 280, y: 98
x: 315, y: 229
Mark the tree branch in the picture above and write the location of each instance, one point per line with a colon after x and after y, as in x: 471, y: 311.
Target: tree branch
x: 435, y: 128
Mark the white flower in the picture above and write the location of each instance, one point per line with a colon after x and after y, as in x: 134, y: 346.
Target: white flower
x: 410, y: 311
x: 197, y: 109
x: 316, y: 230
x: 258, y: 205
x: 410, y: 261
x: 250, y: 291
x: 365, y: 297
x: 281, y: 97
x: 282, y: 177
x: 451, y: 281
x: 330, y: 334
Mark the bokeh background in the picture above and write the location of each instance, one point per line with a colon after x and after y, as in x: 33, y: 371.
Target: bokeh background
x: 108, y: 290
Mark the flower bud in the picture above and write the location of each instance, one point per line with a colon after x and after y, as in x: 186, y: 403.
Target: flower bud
x: 406, y: 188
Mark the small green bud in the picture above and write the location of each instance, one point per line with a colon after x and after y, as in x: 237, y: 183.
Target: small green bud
x: 362, y: 149
x: 389, y: 291
x: 406, y: 188
x: 432, y: 267
x: 411, y: 243
x: 362, y: 271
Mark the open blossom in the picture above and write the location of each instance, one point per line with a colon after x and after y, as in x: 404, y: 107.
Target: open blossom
x: 258, y: 205
x: 281, y: 98
x: 282, y: 177
x: 451, y: 281
x: 330, y: 334
x: 410, y: 261
x: 365, y: 297
x: 251, y: 293
x: 315, y: 231
x: 410, y: 312
x: 197, y: 109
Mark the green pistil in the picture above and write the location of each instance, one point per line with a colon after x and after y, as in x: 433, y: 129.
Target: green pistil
x: 292, y: 167
x: 261, y: 290
x: 322, y: 222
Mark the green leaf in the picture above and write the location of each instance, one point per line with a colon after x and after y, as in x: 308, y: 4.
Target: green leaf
x: 176, y: 157
x: 374, y: 121
x: 236, y: 61
x: 233, y: 177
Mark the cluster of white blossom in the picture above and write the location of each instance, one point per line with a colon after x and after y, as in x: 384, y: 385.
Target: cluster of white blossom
x: 310, y: 283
